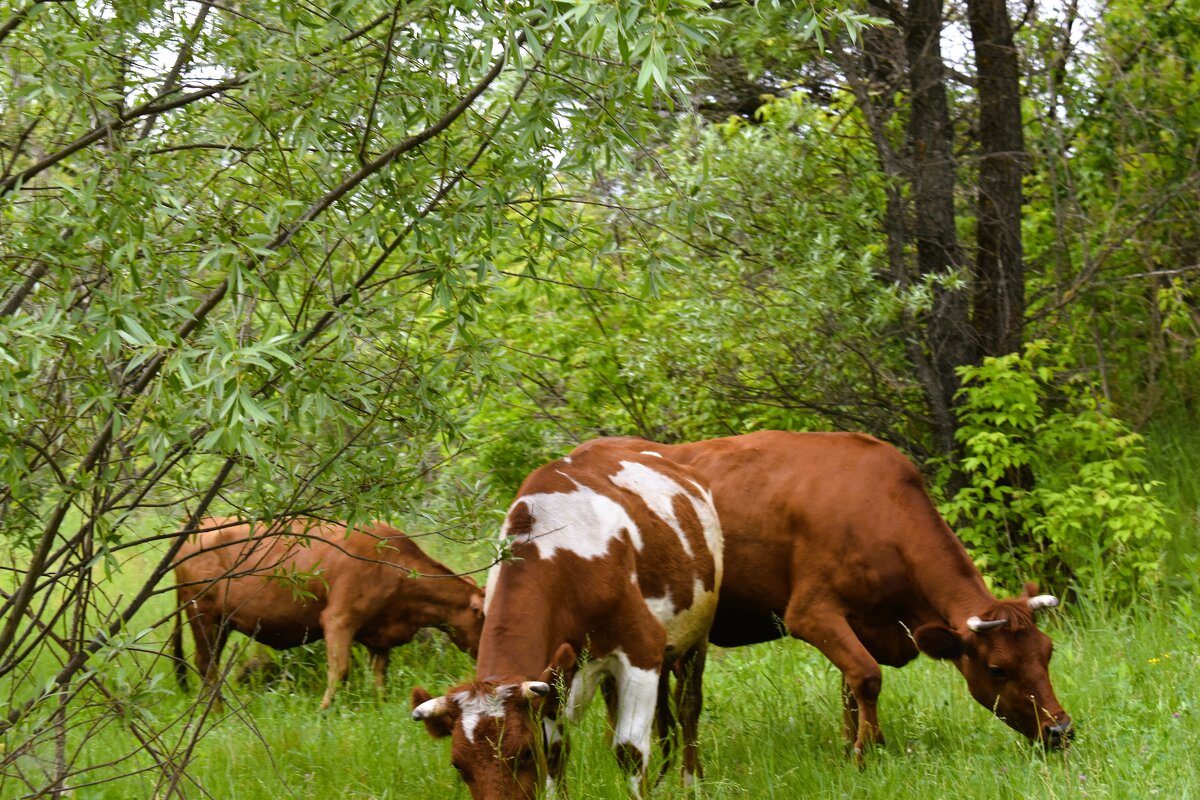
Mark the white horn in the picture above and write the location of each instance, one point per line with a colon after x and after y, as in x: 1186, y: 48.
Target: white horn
x: 1042, y: 601
x: 534, y: 689
x: 976, y: 624
x: 434, y: 707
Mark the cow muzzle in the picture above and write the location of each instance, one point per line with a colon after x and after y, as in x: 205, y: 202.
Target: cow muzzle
x: 1059, y: 734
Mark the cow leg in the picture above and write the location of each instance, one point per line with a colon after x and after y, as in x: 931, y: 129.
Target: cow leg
x: 849, y: 711
x: 832, y: 635
x: 338, y: 638
x: 557, y: 747
x: 633, y: 719
x: 380, y: 658
x: 690, y: 694
x: 665, y: 721
x: 209, y: 637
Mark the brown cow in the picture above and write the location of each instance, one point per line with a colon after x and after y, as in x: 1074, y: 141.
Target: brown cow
x: 834, y: 535
x: 372, y: 585
x: 615, y: 570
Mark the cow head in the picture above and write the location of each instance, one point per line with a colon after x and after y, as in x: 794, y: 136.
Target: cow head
x: 465, y: 625
x: 1006, y: 661
x: 498, y: 744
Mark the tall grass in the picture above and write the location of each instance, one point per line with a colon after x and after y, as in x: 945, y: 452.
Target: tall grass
x: 1173, y: 457
x: 771, y: 725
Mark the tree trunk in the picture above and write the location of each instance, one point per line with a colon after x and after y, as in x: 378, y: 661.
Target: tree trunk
x: 948, y: 333
x: 999, y: 285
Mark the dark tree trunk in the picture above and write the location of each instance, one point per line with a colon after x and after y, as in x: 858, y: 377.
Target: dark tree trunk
x: 999, y: 285
x: 948, y: 332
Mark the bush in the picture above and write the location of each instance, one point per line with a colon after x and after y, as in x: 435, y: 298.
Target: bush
x: 1054, y: 485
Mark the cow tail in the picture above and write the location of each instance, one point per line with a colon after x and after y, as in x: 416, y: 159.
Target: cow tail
x: 181, y: 668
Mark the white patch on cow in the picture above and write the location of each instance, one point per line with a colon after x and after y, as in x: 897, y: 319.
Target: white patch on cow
x: 651, y: 453
x: 566, y: 459
x: 582, y: 522
x: 637, y: 695
x: 685, y: 626
x: 552, y: 732
x: 657, y: 492
x: 662, y: 608
x: 489, y: 589
x: 475, y: 707
x: 584, y: 685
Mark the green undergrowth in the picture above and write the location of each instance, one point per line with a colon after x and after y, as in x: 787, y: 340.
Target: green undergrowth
x: 771, y: 727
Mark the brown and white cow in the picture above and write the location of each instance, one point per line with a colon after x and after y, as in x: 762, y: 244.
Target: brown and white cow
x: 616, y: 564
x: 834, y: 535
x: 371, y: 584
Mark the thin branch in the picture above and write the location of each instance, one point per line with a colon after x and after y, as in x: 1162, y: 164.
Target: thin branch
x: 13, y: 22
x: 383, y: 68
x: 181, y: 61
x: 121, y: 121
x: 18, y: 297
x: 80, y: 658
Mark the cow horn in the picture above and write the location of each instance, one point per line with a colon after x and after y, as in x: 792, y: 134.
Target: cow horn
x: 530, y: 689
x: 976, y: 624
x: 434, y: 707
x: 1042, y: 601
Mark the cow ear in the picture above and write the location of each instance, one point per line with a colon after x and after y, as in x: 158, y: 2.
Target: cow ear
x: 564, y: 658
x: 563, y: 662
x: 938, y: 641
x: 437, y: 714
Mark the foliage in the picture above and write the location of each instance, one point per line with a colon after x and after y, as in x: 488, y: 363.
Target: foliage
x: 243, y: 250
x: 732, y: 283
x: 1056, y: 486
x: 376, y: 259
x: 1110, y: 223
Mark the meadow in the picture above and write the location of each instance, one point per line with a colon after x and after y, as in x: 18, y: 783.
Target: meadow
x: 771, y: 724
x: 771, y: 727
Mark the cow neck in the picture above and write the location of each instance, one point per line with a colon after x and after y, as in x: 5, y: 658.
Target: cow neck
x: 949, y: 580
x: 517, y: 640
x: 438, y: 598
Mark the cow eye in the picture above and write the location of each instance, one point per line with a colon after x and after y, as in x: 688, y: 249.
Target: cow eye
x: 996, y: 672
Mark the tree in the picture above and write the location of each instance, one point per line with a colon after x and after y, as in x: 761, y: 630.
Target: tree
x: 243, y: 250
x: 999, y: 278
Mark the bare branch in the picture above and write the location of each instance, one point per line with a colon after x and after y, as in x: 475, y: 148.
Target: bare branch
x: 101, y: 131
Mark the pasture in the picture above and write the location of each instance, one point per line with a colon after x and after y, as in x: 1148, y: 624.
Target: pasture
x: 770, y: 729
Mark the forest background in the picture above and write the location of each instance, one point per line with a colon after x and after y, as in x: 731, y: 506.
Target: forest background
x: 365, y: 260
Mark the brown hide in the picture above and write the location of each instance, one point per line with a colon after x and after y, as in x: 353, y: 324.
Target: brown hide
x: 371, y: 585
x: 616, y: 565
x: 832, y: 538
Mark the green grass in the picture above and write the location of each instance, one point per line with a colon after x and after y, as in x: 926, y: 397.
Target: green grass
x: 1173, y: 449
x: 770, y: 728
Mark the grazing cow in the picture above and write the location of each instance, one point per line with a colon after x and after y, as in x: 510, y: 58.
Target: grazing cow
x: 371, y: 584
x: 615, y: 571
x: 832, y: 538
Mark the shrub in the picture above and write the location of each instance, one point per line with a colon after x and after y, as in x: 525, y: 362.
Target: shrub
x: 1054, y: 486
